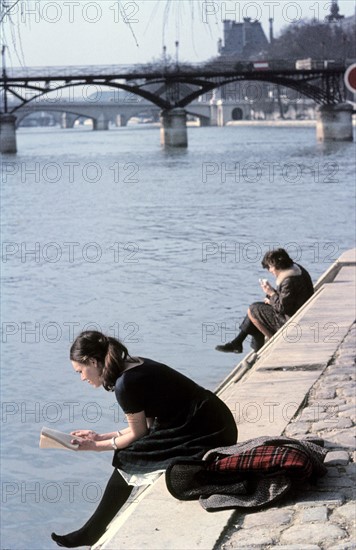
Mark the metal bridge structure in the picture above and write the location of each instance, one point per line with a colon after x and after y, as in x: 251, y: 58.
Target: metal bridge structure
x: 171, y: 88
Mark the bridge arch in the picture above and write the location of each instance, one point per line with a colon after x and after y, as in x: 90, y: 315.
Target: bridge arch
x: 237, y: 113
x: 100, y: 113
x: 21, y: 115
x: 101, y: 122
x: 72, y: 118
x: 135, y: 90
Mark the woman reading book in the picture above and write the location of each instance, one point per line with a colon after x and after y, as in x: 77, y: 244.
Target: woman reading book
x: 169, y: 417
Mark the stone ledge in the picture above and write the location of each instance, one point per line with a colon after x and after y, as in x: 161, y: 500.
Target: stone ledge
x: 161, y: 522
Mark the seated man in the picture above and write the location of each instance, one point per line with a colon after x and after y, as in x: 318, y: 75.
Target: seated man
x: 293, y: 288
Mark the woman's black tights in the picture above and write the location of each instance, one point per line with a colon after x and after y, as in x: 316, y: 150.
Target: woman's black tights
x: 115, y: 495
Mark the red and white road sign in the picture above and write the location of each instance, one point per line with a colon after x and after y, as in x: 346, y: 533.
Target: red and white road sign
x: 350, y: 78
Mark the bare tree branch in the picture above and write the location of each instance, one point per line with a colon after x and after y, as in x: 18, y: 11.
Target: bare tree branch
x: 8, y: 10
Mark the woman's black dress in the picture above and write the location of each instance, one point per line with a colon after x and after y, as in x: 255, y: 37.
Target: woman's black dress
x: 189, y: 420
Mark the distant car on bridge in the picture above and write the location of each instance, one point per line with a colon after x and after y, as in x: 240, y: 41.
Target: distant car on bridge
x: 266, y: 65
x: 308, y: 64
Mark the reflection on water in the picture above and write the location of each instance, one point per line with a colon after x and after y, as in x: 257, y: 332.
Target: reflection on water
x: 161, y: 248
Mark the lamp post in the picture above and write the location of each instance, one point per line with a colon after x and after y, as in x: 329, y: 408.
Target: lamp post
x: 177, y: 53
x: 4, y: 76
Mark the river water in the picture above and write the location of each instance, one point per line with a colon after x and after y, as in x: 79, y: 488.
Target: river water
x: 163, y: 249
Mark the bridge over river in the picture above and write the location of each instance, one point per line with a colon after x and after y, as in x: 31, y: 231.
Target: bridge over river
x: 173, y: 89
x: 104, y: 108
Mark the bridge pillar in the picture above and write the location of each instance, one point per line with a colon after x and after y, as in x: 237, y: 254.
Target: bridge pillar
x: 213, y: 113
x: 334, y: 122
x: 223, y: 112
x: 121, y: 120
x: 100, y: 123
x: 174, y: 128
x: 68, y: 120
x: 8, y: 134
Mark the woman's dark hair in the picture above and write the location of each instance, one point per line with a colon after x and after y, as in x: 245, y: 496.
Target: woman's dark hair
x: 108, y: 351
x: 277, y: 258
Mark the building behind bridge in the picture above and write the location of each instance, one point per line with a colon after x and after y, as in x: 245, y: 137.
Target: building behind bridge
x: 242, y: 40
x: 247, y: 41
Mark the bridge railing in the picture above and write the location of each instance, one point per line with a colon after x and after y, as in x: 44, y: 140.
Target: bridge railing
x: 214, y: 65
x: 67, y: 70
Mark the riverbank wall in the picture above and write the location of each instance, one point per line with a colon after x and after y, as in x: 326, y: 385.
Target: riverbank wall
x: 301, y: 383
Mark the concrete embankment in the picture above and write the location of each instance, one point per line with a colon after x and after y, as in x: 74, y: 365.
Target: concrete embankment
x: 301, y: 383
x: 290, y: 123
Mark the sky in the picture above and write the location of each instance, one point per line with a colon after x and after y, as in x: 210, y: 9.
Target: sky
x: 112, y: 32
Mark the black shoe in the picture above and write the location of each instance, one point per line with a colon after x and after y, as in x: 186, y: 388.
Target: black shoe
x: 57, y: 539
x: 72, y: 540
x: 230, y: 347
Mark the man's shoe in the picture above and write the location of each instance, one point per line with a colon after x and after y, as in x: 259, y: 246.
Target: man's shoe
x: 230, y: 347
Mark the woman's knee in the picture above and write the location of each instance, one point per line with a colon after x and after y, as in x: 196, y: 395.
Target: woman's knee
x: 255, y: 306
x: 250, y: 314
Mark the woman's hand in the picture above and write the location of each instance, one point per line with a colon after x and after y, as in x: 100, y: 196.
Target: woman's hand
x: 85, y: 444
x: 86, y: 434
x: 267, y: 288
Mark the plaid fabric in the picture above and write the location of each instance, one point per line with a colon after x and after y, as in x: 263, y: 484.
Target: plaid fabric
x: 266, y: 459
x: 220, y: 485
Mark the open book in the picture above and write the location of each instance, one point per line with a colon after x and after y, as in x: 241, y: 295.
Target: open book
x: 54, y: 439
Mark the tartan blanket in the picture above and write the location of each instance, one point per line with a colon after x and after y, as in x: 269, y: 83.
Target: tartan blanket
x: 251, y: 474
x: 266, y: 459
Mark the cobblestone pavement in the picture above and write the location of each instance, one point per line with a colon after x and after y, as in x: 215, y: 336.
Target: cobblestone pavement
x: 322, y: 516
